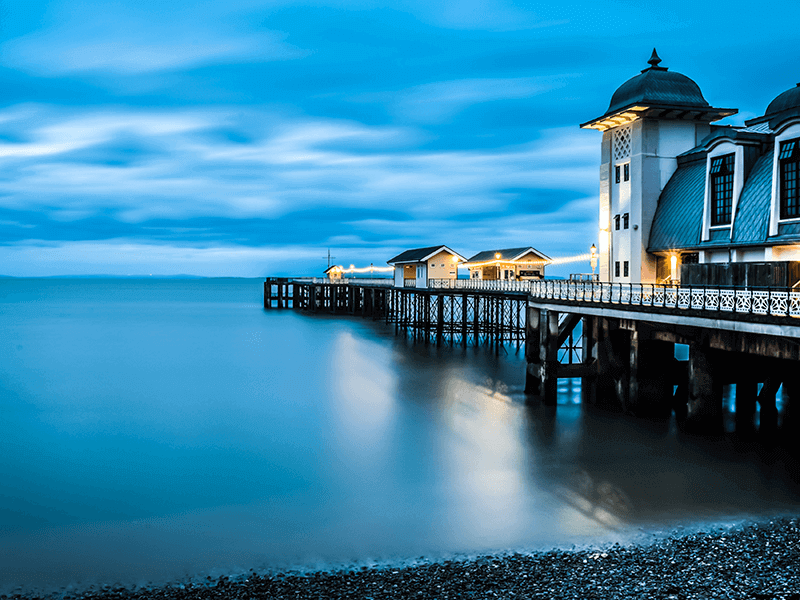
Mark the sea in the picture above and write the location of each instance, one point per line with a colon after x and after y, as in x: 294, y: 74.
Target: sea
x: 163, y: 430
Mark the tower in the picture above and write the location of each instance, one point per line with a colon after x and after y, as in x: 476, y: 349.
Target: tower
x: 652, y: 118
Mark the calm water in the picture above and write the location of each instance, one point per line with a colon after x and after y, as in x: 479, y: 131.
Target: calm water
x: 154, y: 429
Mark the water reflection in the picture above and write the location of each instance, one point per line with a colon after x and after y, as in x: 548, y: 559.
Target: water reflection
x: 147, y: 435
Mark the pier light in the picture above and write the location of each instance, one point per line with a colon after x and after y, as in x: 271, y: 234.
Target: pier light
x: 673, y: 267
x: 593, y: 258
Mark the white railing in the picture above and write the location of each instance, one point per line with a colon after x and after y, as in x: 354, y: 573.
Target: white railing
x: 381, y: 282
x: 776, y: 303
x: 503, y: 285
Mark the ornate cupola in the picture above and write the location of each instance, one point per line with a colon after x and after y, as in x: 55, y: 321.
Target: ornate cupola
x: 651, y: 119
x: 657, y: 92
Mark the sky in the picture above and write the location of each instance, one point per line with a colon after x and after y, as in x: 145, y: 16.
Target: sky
x: 246, y: 138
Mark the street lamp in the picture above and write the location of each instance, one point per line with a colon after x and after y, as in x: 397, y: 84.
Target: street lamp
x: 497, y: 257
x: 593, y: 259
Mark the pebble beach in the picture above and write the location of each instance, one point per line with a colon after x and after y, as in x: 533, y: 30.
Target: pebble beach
x: 759, y: 561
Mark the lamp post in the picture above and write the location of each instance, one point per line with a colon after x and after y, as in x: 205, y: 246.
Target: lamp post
x: 593, y: 259
x: 497, y: 257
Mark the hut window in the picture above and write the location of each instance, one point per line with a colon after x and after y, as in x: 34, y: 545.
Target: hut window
x: 625, y: 269
x: 721, y: 174
x: 616, y: 269
x: 626, y: 171
x: 789, y: 165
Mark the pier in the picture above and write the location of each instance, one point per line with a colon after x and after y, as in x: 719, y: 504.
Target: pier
x: 619, y: 339
x: 444, y: 314
x: 741, y: 337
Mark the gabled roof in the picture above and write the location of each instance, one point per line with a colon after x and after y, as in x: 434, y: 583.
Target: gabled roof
x: 506, y: 254
x: 421, y: 255
x: 331, y: 268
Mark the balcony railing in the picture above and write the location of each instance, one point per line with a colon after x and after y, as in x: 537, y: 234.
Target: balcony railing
x: 767, y: 302
x: 410, y: 283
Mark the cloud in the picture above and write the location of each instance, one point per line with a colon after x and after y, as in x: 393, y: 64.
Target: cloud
x: 126, y: 51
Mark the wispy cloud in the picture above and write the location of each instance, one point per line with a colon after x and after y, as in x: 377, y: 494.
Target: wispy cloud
x: 122, y: 50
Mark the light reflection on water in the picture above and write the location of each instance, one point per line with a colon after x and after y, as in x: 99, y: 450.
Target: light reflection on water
x: 156, y: 429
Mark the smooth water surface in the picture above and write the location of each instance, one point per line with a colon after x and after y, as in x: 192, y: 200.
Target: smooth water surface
x: 156, y: 429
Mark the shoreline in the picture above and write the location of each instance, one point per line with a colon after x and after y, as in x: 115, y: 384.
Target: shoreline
x: 756, y: 560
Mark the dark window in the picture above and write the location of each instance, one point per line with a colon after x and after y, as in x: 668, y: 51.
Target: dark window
x: 616, y: 173
x: 627, y: 172
x: 625, y: 221
x: 789, y: 165
x: 616, y: 269
x: 625, y: 269
x: 690, y: 258
x: 616, y: 222
x: 721, y: 189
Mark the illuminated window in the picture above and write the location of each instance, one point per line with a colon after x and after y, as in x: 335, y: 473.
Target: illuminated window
x: 721, y: 174
x: 789, y: 165
x: 627, y: 172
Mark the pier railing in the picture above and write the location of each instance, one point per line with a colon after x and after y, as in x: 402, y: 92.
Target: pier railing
x: 499, y: 285
x: 767, y: 302
x: 378, y: 281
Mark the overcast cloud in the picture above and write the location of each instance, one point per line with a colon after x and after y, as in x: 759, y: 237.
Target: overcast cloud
x: 247, y: 139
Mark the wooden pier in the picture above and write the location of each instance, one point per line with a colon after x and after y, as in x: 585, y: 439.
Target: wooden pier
x: 453, y: 316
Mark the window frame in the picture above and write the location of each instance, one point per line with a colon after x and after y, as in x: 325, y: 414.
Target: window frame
x: 626, y: 171
x: 721, y: 183
x: 616, y: 173
x: 616, y: 222
x: 626, y: 218
x: 789, y: 156
x: 626, y: 269
x: 616, y: 269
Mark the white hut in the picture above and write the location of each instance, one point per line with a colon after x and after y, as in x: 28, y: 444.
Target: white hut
x: 419, y: 266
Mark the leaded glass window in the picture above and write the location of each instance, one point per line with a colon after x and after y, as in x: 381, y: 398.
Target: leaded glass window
x: 721, y: 174
x: 789, y: 158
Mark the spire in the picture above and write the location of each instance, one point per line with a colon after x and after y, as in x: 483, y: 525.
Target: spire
x: 654, y: 61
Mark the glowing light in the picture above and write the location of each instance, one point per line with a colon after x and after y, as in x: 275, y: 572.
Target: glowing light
x: 673, y: 267
x: 370, y: 269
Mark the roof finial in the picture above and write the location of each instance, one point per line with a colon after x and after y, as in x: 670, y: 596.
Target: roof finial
x: 654, y: 59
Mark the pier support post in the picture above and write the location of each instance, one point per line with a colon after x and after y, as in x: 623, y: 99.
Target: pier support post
x: 589, y: 355
x: 611, y: 383
x: 439, y: 319
x: 532, y: 341
x: 651, y: 381
x: 548, y: 356
x: 704, y: 406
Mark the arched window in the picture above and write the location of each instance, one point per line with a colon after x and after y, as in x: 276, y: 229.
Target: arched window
x: 789, y: 159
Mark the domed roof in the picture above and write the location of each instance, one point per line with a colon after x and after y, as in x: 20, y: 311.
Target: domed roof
x: 787, y: 100
x: 657, y: 85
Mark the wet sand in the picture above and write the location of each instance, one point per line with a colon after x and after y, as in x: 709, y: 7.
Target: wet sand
x: 755, y: 561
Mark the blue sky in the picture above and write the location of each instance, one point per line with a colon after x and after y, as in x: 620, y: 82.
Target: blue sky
x: 245, y: 138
